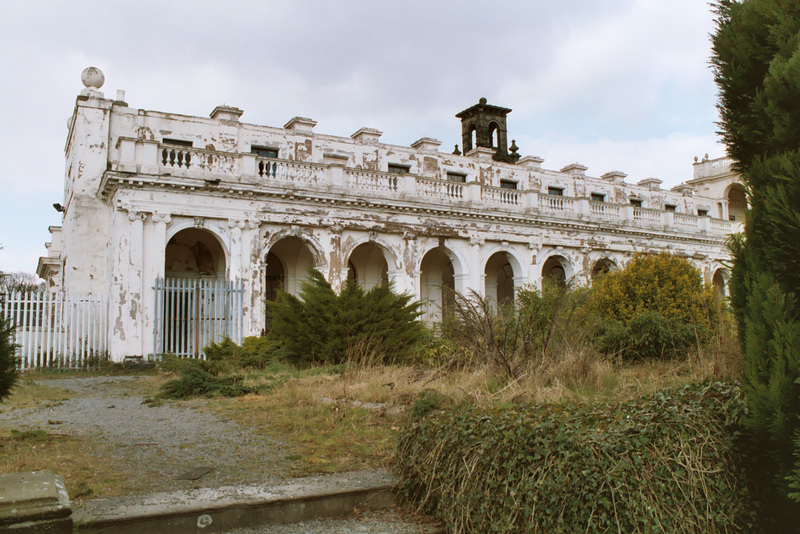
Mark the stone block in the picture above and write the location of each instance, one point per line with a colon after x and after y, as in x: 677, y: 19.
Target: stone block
x: 34, y: 502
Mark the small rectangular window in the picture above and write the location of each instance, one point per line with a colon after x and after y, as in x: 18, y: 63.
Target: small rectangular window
x: 670, y: 207
x: 599, y: 197
x: 555, y: 191
x: 264, y: 152
x: 508, y: 184
x: 394, y: 168
x: 176, y: 142
x: 636, y: 203
x: 456, y: 177
x: 732, y: 217
x: 702, y: 213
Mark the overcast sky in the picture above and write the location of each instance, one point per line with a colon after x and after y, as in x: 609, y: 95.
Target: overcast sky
x: 612, y: 84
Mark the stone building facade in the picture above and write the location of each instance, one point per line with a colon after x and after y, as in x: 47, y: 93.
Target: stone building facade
x: 152, y: 196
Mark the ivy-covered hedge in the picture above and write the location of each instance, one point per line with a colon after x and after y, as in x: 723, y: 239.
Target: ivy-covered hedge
x: 661, y: 464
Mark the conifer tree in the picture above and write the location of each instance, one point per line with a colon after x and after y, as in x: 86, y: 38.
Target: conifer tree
x: 757, y: 68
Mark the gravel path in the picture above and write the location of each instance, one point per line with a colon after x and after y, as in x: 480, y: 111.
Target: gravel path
x: 155, y: 445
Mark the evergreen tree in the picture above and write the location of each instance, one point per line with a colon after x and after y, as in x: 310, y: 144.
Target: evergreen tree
x: 757, y: 68
x: 8, y: 353
x: 321, y: 327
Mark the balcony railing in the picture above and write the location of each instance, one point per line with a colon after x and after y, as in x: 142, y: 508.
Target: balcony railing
x: 190, y: 162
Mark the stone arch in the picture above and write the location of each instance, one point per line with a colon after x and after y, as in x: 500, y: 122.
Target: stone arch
x: 440, y: 276
x: 368, y: 264
x: 494, y: 135
x: 193, y: 252
x: 602, y: 266
x: 502, y: 273
x: 310, y: 241
x: 737, y: 202
x: 472, y: 138
x: 719, y: 281
x: 288, y: 259
x: 558, y: 268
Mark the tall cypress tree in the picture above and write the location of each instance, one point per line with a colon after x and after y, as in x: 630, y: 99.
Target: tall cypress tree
x: 757, y: 68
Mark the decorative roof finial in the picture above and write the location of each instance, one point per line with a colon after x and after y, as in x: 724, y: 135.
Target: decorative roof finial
x: 457, y: 152
x: 93, y: 78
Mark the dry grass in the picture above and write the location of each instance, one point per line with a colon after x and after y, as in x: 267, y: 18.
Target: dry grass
x: 336, y: 436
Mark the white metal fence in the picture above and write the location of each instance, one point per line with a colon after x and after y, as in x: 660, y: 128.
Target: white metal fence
x: 191, y: 313
x: 60, y: 330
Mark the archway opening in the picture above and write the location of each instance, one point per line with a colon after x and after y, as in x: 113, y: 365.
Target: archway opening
x: 720, y: 283
x: 437, y: 284
x: 556, y: 270
x: 737, y: 203
x: 193, y: 301
x: 296, y: 259
x: 603, y: 266
x: 499, y: 279
x: 368, y: 266
x: 287, y: 264
x: 194, y: 253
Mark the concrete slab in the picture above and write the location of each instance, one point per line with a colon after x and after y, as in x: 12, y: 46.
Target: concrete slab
x: 35, y: 501
x: 220, y: 509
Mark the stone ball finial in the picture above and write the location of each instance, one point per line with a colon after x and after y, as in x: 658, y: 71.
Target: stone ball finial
x: 482, y: 100
x: 93, y: 77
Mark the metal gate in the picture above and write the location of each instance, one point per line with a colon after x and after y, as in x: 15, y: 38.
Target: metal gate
x: 190, y: 313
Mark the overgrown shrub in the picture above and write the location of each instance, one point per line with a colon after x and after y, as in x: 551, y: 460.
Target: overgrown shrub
x: 660, y: 464
x: 8, y: 356
x: 514, y: 337
x: 199, y: 378
x: 368, y: 326
x: 648, y: 335
x: 254, y: 353
x: 656, y: 306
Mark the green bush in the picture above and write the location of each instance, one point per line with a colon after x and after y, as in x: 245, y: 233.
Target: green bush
x: 368, y: 326
x: 648, y: 335
x: 199, y: 378
x: 655, y: 307
x: 8, y: 358
x: 665, y: 463
x: 255, y: 352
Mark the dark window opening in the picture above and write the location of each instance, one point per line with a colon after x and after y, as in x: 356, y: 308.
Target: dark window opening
x: 176, y: 142
x: 636, y: 203
x: 555, y: 191
x: 456, y: 177
x: 599, y: 197
x: 398, y: 169
x: 670, y: 207
x: 264, y: 152
x: 508, y: 184
x: 732, y: 217
x: 702, y: 213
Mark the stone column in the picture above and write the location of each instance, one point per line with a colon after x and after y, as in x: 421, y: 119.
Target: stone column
x: 135, y: 289
x: 154, y: 259
x: 235, y: 263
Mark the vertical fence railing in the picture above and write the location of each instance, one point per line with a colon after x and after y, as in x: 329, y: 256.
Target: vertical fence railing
x: 193, y: 312
x: 60, y: 330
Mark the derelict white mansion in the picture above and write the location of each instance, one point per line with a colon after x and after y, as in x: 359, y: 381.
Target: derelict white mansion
x: 156, y: 200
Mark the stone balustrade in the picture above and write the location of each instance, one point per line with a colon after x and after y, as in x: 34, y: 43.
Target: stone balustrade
x: 209, y: 165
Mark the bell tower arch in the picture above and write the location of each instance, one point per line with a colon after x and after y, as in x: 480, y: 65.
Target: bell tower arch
x: 484, y: 125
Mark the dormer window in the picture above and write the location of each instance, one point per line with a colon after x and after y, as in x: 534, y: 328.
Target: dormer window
x: 395, y: 168
x: 264, y: 152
